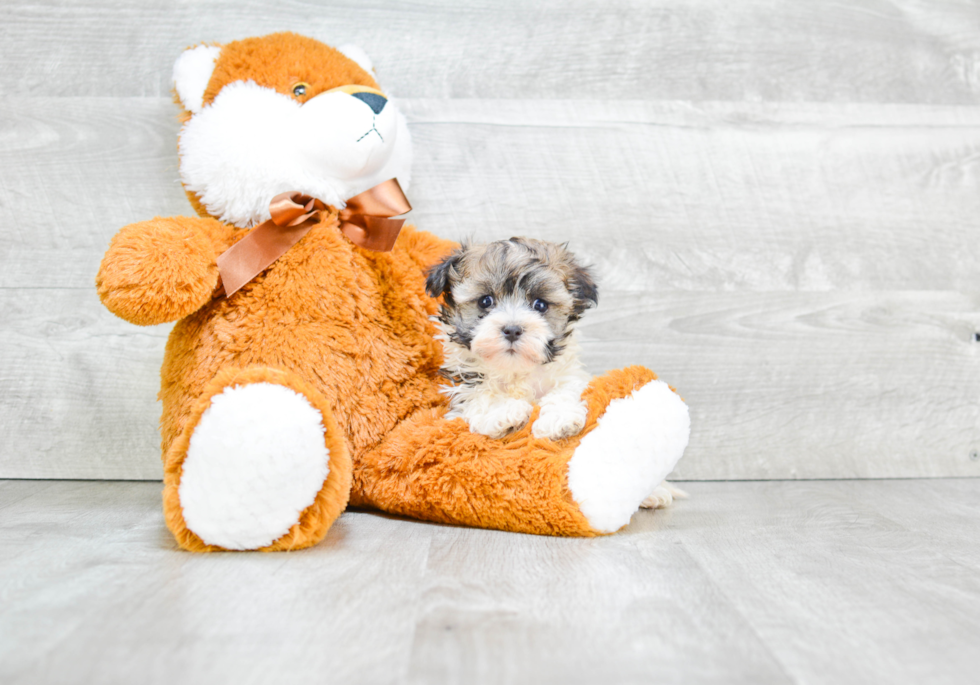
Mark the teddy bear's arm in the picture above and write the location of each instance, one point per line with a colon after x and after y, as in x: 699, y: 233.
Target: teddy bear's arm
x: 162, y: 270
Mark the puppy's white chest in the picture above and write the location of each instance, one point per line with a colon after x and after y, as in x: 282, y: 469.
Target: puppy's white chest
x: 539, y: 384
x: 530, y: 386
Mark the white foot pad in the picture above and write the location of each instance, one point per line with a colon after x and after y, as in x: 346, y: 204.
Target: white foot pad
x: 256, y: 460
x: 636, y: 443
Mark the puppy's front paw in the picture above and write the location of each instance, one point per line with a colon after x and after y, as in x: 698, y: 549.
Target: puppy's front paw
x: 502, y: 418
x: 558, y: 421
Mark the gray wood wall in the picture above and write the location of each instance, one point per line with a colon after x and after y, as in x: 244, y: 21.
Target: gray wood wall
x: 782, y: 201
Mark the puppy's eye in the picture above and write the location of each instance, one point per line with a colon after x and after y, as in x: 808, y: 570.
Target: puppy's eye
x: 540, y: 306
x: 486, y: 302
x: 299, y: 90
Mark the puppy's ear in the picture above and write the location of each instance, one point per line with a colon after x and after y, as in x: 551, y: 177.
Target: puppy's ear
x: 582, y: 286
x: 440, y: 277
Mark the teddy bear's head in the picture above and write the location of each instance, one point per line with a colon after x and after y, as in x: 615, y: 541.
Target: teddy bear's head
x: 283, y: 113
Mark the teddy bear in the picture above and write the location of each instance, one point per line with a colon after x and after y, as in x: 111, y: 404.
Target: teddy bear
x: 302, y: 373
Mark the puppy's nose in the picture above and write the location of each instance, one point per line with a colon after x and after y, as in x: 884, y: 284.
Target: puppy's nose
x: 512, y: 333
x: 373, y: 100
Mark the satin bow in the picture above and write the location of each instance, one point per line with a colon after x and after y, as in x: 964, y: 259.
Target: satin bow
x: 366, y: 221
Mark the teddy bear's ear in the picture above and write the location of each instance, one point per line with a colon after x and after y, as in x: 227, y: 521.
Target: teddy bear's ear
x: 358, y: 55
x: 192, y: 71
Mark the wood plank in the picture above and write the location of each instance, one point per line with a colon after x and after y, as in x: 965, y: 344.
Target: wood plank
x: 781, y: 582
x: 807, y: 385
x: 837, y: 590
x: 85, y: 168
x: 719, y: 198
x: 862, y: 51
x: 13, y: 491
x: 99, y: 593
x: 780, y: 385
x: 79, y: 389
x: 500, y: 608
x: 951, y: 508
x: 659, y: 196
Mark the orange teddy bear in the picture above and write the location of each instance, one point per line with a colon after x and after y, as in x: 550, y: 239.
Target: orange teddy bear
x: 303, y: 374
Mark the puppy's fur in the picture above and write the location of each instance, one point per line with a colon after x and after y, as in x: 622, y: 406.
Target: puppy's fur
x: 508, y: 331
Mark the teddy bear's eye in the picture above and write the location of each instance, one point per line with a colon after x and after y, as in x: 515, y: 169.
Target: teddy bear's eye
x: 299, y: 90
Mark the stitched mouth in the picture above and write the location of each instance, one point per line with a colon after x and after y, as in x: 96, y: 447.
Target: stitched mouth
x: 370, y: 131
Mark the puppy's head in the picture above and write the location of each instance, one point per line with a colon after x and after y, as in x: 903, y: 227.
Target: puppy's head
x: 513, y: 302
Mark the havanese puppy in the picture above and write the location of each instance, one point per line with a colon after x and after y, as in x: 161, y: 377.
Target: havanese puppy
x: 508, y: 334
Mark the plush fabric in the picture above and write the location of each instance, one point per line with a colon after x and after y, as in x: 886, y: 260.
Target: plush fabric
x: 329, y: 502
x: 350, y: 331
x: 280, y: 60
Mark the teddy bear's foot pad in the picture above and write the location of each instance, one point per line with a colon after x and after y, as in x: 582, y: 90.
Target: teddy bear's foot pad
x: 256, y: 460
x: 637, y: 442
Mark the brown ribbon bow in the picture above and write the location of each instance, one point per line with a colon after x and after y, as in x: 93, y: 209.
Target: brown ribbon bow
x: 365, y: 221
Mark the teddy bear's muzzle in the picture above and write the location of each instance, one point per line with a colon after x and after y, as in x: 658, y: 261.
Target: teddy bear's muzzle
x: 345, y: 135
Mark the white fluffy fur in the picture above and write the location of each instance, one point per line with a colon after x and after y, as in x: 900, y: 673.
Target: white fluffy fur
x: 252, y: 143
x: 256, y: 460
x: 638, y: 441
x: 192, y: 72
x: 511, y: 385
x: 495, y: 353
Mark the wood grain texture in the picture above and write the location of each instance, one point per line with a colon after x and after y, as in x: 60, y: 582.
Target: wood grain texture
x: 77, y: 388
x: 195, y: 618
x: 75, y: 171
x: 808, y: 385
x: 781, y: 202
x: 712, y: 197
x: 823, y: 570
x: 864, y: 51
x: 559, y: 611
x: 780, y: 385
x: 777, y: 582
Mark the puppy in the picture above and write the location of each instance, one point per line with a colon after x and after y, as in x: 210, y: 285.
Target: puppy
x: 508, y: 333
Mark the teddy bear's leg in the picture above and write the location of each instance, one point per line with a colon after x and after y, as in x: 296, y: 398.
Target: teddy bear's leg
x: 260, y: 464
x: 589, y: 484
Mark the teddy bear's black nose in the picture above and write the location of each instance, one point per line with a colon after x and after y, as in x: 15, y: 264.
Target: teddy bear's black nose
x: 373, y: 100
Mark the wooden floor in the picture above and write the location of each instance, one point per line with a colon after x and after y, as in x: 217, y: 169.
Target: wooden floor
x: 751, y: 582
